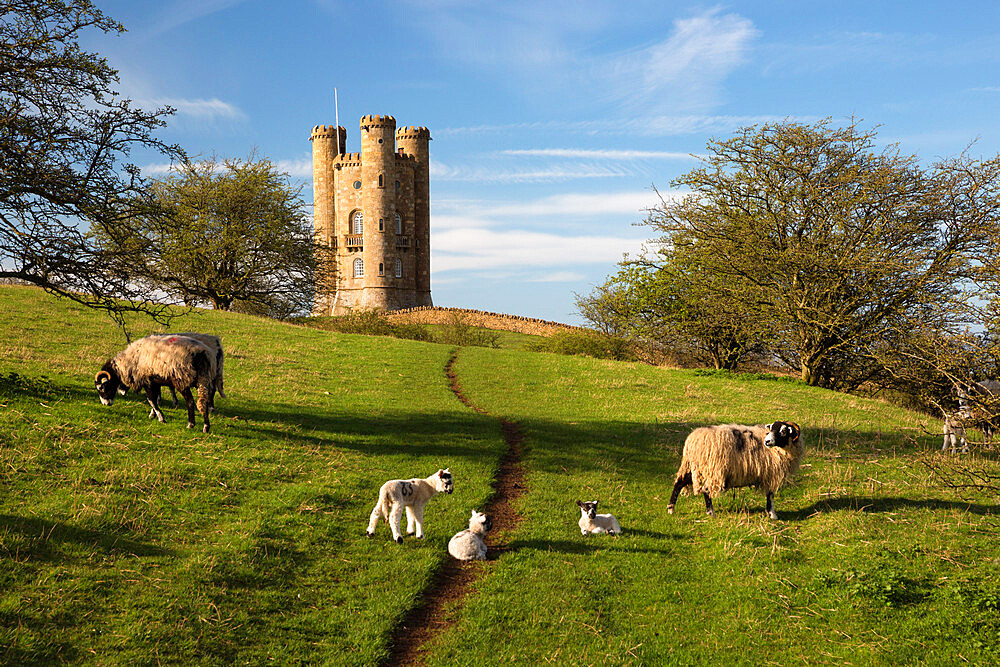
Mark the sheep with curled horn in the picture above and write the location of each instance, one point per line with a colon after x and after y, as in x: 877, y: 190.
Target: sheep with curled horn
x: 169, y: 361
x: 729, y: 456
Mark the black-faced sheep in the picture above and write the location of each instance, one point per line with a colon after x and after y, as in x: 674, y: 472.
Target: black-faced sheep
x: 162, y: 361
x: 411, y: 495
x: 730, y: 456
x: 592, y: 522
x: 470, y: 544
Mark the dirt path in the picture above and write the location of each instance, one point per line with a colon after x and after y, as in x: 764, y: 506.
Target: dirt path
x: 455, y: 578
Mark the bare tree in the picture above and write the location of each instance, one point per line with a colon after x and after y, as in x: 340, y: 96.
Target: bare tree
x: 65, y: 140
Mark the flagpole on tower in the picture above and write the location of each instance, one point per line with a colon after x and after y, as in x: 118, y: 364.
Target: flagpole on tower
x: 336, y: 111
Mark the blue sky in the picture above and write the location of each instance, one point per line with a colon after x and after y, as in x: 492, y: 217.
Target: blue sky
x: 552, y: 121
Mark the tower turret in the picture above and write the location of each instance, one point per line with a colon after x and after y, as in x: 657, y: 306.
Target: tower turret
x: 324, y: 140
x: 378, y: 166
x: 415, y: 141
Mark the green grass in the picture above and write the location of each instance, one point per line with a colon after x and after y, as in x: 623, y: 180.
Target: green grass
x: 125, y: 541
x: 871, y: 562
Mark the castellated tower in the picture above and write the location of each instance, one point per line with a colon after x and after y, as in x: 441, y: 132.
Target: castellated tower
x: 373, y: 209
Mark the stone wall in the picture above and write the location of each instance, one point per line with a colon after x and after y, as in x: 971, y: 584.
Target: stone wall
x: 479, y: 318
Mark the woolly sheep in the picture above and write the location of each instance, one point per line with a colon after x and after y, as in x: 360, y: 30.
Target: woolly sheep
x: 213, y: 343
x: 592, y: 522
x: 469, y: 544
x: 730, y: 456
x: 411, y: 495
x: 162, y: 361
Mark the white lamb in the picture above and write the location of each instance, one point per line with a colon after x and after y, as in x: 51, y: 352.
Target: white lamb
x: 410, y: 494
x: 592, y: 522
x: 469, y: 544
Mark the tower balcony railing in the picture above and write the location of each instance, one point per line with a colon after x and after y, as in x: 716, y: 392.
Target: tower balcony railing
x: 354, y: 240
x: 402, y: 241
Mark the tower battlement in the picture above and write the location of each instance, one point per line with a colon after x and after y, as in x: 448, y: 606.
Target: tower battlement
x: 413, y: 132
x: 373, y: 209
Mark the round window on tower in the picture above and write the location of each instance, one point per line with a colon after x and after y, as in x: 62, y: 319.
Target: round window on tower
x: 357, y: 185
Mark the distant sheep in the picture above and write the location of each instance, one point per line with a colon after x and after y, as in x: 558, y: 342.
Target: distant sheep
x: 954, y: 431
x: 410, y: 494
x: 977, y: 408
x: 591, y: 522
x: 162, y: 361
x: 730, y: 456
x: 470, y: 544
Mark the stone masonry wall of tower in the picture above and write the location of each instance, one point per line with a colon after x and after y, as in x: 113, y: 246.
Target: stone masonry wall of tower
x: 381, y: 261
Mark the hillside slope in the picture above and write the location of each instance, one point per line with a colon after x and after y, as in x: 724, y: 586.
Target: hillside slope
x: 127, y: 541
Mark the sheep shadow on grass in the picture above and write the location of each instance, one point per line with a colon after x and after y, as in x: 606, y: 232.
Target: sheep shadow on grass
x: 870, y: 505
x: 592, y: 543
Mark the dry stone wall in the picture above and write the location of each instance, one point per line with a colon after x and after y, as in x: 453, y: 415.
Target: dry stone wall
x: 479, y: 318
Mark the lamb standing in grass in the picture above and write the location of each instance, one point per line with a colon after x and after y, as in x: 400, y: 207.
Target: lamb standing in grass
x: 411, y: 495
x: 592, y: 522
x: 469, y: 544
x: 729, y: 456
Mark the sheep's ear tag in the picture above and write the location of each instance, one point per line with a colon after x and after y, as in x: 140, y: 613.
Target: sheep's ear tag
x: 796, y: 430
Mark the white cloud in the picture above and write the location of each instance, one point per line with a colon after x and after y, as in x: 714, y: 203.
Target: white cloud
x: 179, y: 12
x: 300, y: 168
x: 558, y: 277
x: 656, y: 125
x: 484, y: 249
x: 629, y: 203
x: 687, y: 68
x: 492, y: 174
x: 585, y: 154
x: 202, y: 110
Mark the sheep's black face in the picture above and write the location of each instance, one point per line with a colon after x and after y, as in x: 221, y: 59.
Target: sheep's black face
x: 487, y: 523
x: 447, y: 485
x: 589, y: 508
x: 781, y: 434
x: 107, y: 384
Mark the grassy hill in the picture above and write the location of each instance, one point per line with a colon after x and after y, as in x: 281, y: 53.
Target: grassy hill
x: 123, y: 540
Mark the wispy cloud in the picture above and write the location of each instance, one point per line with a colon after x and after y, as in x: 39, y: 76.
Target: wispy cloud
x: 984, y: 89
x: 493, y: 174
x: 558, y: 277
x: 179, y: 12
x: 687, y: 68
x: 628, y: 204
x: 197, y: 109
x: 658, y: 125
x: 299, y: 168
x: 585, y: 154
x: 480, y: 249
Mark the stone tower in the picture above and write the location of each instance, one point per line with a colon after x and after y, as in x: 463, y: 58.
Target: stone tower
x: 373, y: 209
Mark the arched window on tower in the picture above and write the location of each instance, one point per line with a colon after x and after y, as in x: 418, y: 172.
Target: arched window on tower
x: 399, y: 268
x: 399, y: 224
x: 359, y: 268
x: 358, y: 223
x: 381, y: 181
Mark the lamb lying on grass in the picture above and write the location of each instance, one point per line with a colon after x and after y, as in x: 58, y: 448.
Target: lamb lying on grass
x: 411, y: 495
x: 469, y: 543
x: 592, y: 522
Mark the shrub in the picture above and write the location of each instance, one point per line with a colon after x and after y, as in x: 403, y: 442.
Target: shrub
x: 457, y: 331
x: 588, y: 344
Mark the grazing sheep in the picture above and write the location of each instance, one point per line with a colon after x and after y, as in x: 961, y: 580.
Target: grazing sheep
x: 954, y: 430
x: 411, y: 494
x: 729, y: 456
x: 161, y: 361
x: 468, y: 544
x: 592, y: 522
x: 213, y: 343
